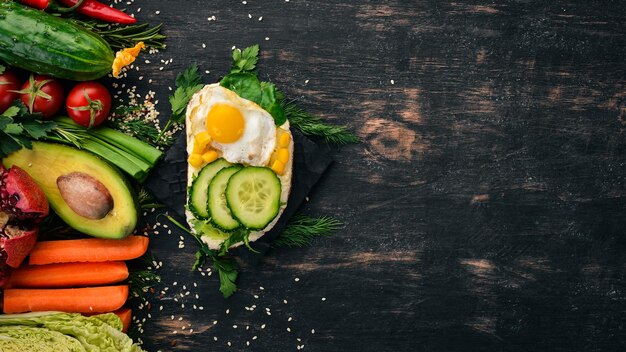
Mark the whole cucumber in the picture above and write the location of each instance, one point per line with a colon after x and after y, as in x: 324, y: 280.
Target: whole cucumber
x: 39, y: 42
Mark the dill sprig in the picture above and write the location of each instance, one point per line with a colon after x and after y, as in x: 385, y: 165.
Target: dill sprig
x: 146, y: 200
x: 302, y: 229
x: 141, y: 280
x: 313, y: 126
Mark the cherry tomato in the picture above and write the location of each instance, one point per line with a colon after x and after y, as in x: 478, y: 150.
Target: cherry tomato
x: 42, y: 94
x: 88, y: 104
x: 9, y: 84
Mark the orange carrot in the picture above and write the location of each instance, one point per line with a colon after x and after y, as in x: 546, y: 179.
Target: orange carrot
x: 68, y: 275
x: 73, y: 300
x: 88, y: 250
x: 126, y: 315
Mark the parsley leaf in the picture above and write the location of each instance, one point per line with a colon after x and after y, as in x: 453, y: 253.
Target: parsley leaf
x: 187, y: 84
x: 245, y: 61
x: 228, y: 271
x: 226, y: 267
x: 17, y: 128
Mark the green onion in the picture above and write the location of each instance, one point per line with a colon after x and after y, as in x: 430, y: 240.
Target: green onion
x: 131, y: 155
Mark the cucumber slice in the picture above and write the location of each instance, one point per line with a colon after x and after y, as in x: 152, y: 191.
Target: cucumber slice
x: 218, y: 209
x: 199, y: 192
x: 253, y: 196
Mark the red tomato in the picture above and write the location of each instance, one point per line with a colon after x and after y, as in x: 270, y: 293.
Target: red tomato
x: 42, y: 94
x: 88, y: 104
x: 9, y: 83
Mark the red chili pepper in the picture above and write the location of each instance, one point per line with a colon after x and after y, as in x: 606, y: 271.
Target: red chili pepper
x: 38, y: 4
x: 100, y: 11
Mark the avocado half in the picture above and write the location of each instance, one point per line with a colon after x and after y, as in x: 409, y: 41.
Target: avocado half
x: 47, y: 162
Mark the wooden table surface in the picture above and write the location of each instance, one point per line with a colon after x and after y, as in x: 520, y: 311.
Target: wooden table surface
x: 484, y: 210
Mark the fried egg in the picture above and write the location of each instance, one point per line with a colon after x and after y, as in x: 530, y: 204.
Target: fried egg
x: 220, y: 123
x: 241, y: 130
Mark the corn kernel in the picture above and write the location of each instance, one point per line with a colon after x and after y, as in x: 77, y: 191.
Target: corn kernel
x: 284, y: 140
x: 203, y: 138
x: 209, y: 156
x: 198, y: 148
x: 283, y: 155
x: 195, y: 160
x: 278, y: 167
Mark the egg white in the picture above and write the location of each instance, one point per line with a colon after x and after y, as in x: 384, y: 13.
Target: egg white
x: 256, y: 149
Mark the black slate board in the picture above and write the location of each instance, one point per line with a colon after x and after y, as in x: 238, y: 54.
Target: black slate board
x: 169, y: 181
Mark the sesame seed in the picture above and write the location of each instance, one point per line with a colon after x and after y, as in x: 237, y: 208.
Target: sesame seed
x: 296, y: 279
x: 157, y: 12
x: 393, y: 82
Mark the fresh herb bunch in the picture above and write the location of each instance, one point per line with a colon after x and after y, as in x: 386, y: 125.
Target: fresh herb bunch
x: 18, y: 128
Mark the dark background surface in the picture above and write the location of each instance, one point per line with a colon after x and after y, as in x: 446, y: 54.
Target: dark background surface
x: 484, y: 210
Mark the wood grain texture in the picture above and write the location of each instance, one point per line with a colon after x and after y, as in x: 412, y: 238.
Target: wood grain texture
x: 484, y: 209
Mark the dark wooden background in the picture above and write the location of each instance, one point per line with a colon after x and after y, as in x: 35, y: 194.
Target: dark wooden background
x: 485, y: 209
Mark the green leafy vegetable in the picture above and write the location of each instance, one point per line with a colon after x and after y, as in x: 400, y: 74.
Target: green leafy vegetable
x: 242, y: 80
x: 246, y: 85
x: 54, y: 331
x: 18, y: 127
x: 228, y: 271
x: 301, y: 230
x: 2, y: 69
x: 313, y: 126
x: 187, y: 84
x: 226, y: 267
x: 245, y: 61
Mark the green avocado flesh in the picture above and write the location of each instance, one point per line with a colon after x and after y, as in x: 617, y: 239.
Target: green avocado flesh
x: 48, y: 163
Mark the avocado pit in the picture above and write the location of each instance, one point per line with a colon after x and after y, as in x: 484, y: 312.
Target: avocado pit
x: 85, y: 195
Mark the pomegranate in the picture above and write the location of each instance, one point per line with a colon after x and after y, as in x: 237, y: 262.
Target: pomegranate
x: 22, y: 206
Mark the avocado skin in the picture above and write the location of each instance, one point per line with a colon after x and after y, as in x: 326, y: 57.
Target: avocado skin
x: 45, y: 162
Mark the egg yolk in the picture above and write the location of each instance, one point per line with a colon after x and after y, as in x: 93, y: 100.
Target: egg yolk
x: 225, y: 123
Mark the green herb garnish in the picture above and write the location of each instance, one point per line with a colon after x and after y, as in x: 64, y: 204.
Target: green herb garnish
x: 312, y: 126
x: 225, y: 266
x: 18, y: 127
x: 187, y: 84
x: 243, y: 80
x: 302, y: 229
x: 126, y: 36
x: 245, y: 61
